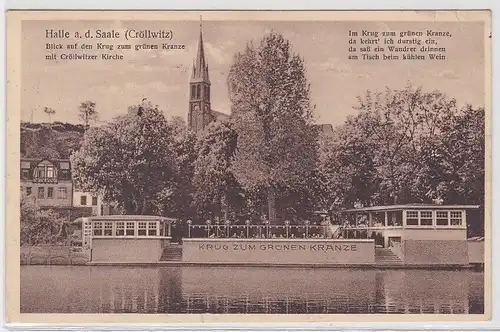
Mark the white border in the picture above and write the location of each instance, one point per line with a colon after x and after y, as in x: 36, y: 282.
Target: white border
x: 494, y: 324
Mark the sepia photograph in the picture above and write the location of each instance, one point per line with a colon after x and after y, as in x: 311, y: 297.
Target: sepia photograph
x: 212, y: 163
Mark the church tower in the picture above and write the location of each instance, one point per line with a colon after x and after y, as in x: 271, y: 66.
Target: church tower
x: 200, y: 113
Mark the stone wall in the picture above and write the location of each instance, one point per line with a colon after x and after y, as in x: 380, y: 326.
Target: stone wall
x: 126, y: 250
x: 439, y: 252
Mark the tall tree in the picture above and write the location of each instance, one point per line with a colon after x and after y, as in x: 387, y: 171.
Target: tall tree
x: 49, y: 111
x: 87, y: 113
x: 272, y: 115
x: 214, y: 182
x: 130, y: 160
x: 177, y: 200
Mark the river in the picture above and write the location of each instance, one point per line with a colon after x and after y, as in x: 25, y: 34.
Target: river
x: 187, y: 289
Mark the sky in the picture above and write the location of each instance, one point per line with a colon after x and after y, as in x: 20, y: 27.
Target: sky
x: 163, y: 76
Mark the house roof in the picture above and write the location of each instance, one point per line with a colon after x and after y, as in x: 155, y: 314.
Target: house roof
x: 131, y: 217
x: 411, y: 206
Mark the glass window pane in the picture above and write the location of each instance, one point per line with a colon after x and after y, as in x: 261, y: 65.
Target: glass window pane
x: 442, y: 222
x: 442, y: 214
x: 412, y: 214
x: 130, y: 228
x: 426, y: 214
x: 120, y: 228
x: 108, y: 228
x: 412, y: 222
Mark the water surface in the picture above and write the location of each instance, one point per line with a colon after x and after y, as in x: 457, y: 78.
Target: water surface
x: 105, y: 289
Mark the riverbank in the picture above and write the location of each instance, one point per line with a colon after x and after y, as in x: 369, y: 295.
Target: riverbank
x: 316, y: 266
x: 54, y: 255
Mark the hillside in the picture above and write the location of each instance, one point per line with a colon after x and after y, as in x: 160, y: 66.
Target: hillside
x: 55, y: 141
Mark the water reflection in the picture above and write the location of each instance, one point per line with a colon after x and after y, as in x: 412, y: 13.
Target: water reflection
x: 99, y: 289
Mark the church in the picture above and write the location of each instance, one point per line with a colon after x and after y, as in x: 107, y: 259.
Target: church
x: 200, y: 111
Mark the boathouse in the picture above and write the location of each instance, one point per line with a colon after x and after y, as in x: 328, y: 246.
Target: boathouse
x: 418, y: 234
x: 126, y: 238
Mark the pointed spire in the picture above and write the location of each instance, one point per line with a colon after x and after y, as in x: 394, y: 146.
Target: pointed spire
x: 200, y: 68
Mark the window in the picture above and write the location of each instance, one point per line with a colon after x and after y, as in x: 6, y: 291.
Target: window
x: 419, y: 218
x: 442, y: 218
x: 425, y: 218
x: 456, y: 218
x: 394, y: 218
x: 25, y: 174
x: 97, y: 228
x: 120, y: 228
x: 152, y: 228
x: 193, y: 96
x: 378, y: 219
x: 108, y: 228
x: 41, y: 192
x: 50, y: 172
x: 62, y: 193
x: 40, y: 172
x: 50, y: 192
x: 28, y: 191
x: 412, y: 218
x: 141, y: 229
x: 83, y: 200
x: 94, y: 200
x: 130, y: 229
x: 64, y: 174
x: 198, y: 91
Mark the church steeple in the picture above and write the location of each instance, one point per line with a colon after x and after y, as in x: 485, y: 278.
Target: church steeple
x: 200, y: 113
x: 200, y: 67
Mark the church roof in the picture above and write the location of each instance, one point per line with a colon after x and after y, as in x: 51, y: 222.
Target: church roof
x: 200, y: 67
x: 220, y: 116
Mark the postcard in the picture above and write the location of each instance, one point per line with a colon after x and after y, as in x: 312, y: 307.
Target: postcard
x: 248, y: 166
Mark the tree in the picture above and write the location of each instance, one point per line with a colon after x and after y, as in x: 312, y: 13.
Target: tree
x: 272, y: 116
x: 213, y: 179
x: 87, y: 113
x: 346, y: 168
x: 396, y: 124
x: 454, y: 160
x: 38, y: 226
x: 49, y: 111
x: 177, y: 200
x: 56, y: 141
x: 129, y: 160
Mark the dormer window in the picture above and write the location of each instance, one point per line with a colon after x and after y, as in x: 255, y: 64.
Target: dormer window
x: 45, y: 172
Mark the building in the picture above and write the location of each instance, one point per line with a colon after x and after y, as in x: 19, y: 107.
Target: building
x: 200, y: 111
x: 85, y: 199
x: 415, y: 234
x: 49, y: 181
